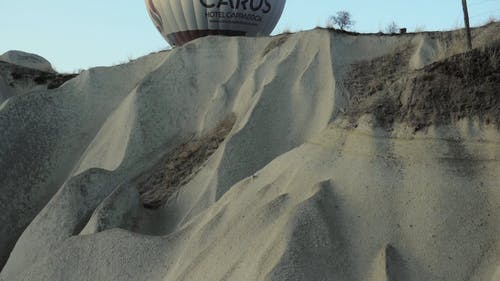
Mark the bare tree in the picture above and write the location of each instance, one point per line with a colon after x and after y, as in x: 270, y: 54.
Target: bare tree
x: 342, y: 20
x: 392, y: 28
x: 467, y: 25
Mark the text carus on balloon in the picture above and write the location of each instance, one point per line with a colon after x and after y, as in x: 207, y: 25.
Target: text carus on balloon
x: 255, y: 5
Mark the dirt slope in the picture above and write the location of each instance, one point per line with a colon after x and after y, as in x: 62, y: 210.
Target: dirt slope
x: 311, y: 156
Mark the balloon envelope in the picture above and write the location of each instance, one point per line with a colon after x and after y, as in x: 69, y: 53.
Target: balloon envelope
x: 180, y: 21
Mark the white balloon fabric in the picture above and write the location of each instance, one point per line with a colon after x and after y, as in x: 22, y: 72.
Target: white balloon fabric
x: 180, y: 21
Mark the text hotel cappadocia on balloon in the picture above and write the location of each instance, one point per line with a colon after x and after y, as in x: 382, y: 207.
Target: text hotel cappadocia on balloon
x: 229, y: 16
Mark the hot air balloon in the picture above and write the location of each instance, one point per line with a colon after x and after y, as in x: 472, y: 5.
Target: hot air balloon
x: 180, y: 21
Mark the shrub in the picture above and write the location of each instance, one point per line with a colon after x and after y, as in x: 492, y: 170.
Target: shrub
x: 392, y: 28
x: 343, y: 20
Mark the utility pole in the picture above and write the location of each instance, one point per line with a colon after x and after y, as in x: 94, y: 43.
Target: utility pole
x: 467, y: 25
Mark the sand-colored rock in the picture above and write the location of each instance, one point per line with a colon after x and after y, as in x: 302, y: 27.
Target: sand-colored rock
x: 310, y: 183
x: 27, y: 60
x: 17, y: 80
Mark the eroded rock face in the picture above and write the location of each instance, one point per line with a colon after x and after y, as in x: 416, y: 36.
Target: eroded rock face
x: 4, y: 91
x: 343, y: 161
x: 461, y: 86
x: 27, y: 60
x: 16, y: 80
x: 180, y: 165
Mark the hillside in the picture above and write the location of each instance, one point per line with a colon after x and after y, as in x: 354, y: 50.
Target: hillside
x: 317, y: 155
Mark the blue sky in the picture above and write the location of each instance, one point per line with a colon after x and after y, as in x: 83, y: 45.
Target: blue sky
x: 85, y: 33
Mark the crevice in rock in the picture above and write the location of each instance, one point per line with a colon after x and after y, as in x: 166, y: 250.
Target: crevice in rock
x: 179, y: 165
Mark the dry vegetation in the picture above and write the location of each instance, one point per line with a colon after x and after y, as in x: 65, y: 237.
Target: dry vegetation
x: 178, y: 166
x: 462, y: 86
x: 276, y: 43
x: 19, y: 74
